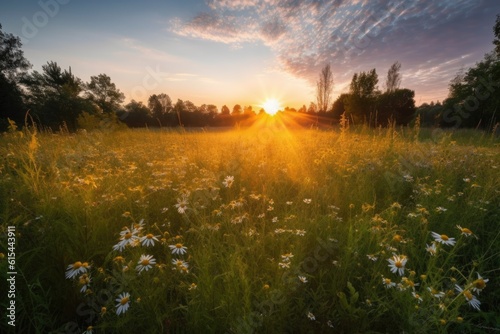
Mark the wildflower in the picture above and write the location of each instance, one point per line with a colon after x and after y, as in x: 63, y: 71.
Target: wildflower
x: 149, y: 240
x: 417, y: 297
x: 178, y: 248
x: 397, y: 264
x: 76, y: 269
x: 311, y: 316
x: 284, y: 265
x: 307, y: 200
x: 431, y: 249
x: 372, y: 257
x: 300, y: 233
x: 436, y: 293
x: 193, y: 286
x: 228, y: 181
x: 395, y: 205
x: 119, y: 259
x: 289, y: 203
x: 440, y: 209
x: 329, y: 323
x: 266, y: 287
x: 397, y: 238
x: 123, y: 301
x: 178, y: 263
x: 145, y: 263
x: 103, y: 311
x: 465, y: 231
x: 479, y: 284
x: 287, y: 257
x: 275, y: 220
x: 127, y: 237
x: 303, y: 279
x: 408, y: 178
x: 84, y: 281
x: 443, y: 238
x: 469, y: 297
x: 182, y: 205
x: 388, y: 283
x: 460, y: 320
x: 409, y: 283
x: 89, y: 330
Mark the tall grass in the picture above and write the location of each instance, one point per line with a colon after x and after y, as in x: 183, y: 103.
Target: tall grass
x: 286, y: 231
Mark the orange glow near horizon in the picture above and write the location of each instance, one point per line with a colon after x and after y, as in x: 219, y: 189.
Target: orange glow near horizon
x: 272, y: 106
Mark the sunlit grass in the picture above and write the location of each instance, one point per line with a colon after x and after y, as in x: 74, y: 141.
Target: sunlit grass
x: 266, y: 229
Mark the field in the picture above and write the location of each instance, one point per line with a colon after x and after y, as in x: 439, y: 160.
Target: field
x: 251, y: 231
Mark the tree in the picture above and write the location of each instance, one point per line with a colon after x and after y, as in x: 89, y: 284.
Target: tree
x: 324, y: 87
x: 473, y: 98
x: 393, y: 77
x: 54, y: 96
x: 496, y: 31
x: 13, y: 66
x: 104, y: 93
x: 225, y: 110
x: 397, y: 105
x: 160, y: 105
x: 360, y: 105
x: 136, y: 114
x: 237, y: 110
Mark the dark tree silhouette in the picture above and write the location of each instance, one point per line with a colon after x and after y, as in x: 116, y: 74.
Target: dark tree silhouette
x: 324, y: 87
x: 104, y: 93
x: 393, y: 77
x: 13, y: 66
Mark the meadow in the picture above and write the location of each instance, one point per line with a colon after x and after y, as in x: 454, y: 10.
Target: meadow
x: 268, y: 230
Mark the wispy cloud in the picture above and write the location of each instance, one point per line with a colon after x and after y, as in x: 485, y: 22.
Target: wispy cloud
x: 148, y: 52
x: 305, y: 35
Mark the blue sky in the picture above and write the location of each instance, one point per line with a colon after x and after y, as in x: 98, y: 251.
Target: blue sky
x: 241, y: 51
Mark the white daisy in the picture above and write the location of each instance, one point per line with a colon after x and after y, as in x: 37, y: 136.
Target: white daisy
x: 149, y: 240
x: 388, y: 283
x: 311, y: 316
x: 228, y: 181
x: 77, y: 268
x: 443, y: 239
x: 145, y: 263
x: 303, y: 279
x: 479, y: 284
x: 469, y: 297
x: 182, y: 205
x: 123, y: 301
x: 178, y: 249
x: 431, y: 249
x: 397, y: 264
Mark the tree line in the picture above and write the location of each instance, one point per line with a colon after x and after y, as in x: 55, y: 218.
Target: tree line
x: 56, y: 98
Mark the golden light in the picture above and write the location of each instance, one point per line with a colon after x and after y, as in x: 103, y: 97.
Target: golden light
x: 271, y: 106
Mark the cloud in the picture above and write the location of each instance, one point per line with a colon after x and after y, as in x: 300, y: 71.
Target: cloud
x: 351, y: 35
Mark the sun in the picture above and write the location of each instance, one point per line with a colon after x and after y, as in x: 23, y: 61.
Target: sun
x: 271, y: 106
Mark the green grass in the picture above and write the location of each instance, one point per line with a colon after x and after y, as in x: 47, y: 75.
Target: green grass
x: 299, y: 242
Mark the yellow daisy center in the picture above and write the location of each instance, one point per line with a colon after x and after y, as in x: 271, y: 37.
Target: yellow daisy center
x: 128, y: 235
x: 444, y: 237
x: 468, y: 295
x: 387, y: 281
x: 178, y: 245
x: 77, y: 265
x: 479, y: 284
x: 145, y: 262
x: 124, y: 300
x: 398, y: 264
x: 466, y: 230
x: 149, y: 236
x: 397, y: 238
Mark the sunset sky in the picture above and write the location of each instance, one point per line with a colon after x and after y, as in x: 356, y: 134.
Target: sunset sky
x: 241, y: 51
